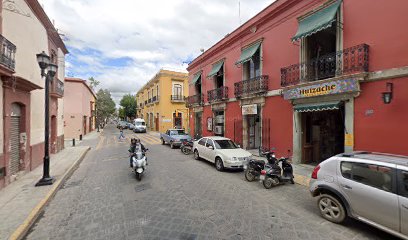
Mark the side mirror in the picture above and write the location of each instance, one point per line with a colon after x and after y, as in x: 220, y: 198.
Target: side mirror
x: 211, y: 147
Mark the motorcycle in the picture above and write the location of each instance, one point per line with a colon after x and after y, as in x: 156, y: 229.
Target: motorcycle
x: 254, y: 167
x: 186, y: 147
x: 273, y: 174
x: 139, y: 163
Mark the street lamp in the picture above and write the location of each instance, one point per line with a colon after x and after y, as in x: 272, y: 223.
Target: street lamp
x: 44, y: 63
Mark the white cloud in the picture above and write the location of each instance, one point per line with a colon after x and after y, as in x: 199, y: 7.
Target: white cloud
x: 146, y: 35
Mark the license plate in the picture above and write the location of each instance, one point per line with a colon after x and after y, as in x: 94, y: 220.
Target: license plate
x: 262, y: 177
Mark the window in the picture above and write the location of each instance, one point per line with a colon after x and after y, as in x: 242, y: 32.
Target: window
x: 252, y: 68
x: 219, y: 78
x: 177, y: 90
x: 369, y: 174
x: 177, y: 132
x: 210, y: 143
x: 225, y: 144
x: 403, y: 184
x: 202, y: 141
x: 157, y: 90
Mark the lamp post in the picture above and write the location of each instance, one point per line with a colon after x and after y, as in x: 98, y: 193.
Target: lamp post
x: 44, y: 63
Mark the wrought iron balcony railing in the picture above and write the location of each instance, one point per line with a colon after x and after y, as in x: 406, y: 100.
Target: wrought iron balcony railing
x: 251, y: 86
x: 145, y: 102
x: 149, y: 101
x: 57, y: 88
x: 197, y: 99
x: 177, y: 98
x: 7, y: 54
x: 217, y: 94
x: 350, y: 60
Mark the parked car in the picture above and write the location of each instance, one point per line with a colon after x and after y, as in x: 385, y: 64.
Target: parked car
x: 122, y: 124
x: 174, y: 137
x: 370, y: 187
x: 221, y: 151
x: 140, y: 125
x: 130, y: 126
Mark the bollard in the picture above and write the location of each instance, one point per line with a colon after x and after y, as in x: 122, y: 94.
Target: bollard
x: 73, y: 142
x: 80, y: 137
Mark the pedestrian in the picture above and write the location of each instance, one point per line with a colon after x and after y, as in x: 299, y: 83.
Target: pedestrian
x: 121, y: 135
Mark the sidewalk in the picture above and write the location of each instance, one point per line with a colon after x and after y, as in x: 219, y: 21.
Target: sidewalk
x: 302, y: 172
x: 93, y: 134
x: 21, y: 202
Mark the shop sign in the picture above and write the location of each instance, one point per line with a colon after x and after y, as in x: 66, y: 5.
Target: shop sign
x: 348, y: 140
x: 249, y: 109
x: 326, y: 88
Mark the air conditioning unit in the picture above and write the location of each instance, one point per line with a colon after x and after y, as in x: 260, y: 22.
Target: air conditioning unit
x: 218, y: 129
x: 219, y: 119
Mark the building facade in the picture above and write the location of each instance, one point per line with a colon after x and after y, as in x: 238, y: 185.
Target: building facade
x: 26, y: 31
x: 160, y: 102
x: 79, y: 109
x: 313, y: 77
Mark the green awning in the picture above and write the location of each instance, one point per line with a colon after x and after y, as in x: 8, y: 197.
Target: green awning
x: 247, y: 53
x: 216, y: 68
x: 318, y: 21
x: 196, y: 77
x: 314, y: 107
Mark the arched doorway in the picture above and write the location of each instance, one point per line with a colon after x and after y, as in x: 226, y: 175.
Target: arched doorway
x: 15, y: 130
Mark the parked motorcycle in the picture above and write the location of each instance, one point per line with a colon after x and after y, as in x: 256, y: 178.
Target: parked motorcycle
x: 139, y: 162
x: 254, y: 167
x: 187, y: 147
x: 273, y: 174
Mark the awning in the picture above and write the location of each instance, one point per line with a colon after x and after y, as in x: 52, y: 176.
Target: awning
x: 216, y: 68
x: 314, y: 107
x: 196, y: 77
x: 318, y: 21
x: 247, y: 53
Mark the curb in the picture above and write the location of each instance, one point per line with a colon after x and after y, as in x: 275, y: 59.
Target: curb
x: 22, y: 230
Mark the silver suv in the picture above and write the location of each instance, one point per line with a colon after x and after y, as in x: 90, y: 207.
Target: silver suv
x: 370, y: 187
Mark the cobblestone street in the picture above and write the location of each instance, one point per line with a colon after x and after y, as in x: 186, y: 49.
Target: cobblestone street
x: 179, y: 198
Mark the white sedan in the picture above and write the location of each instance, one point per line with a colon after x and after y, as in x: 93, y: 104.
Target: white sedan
x: 221, y: 151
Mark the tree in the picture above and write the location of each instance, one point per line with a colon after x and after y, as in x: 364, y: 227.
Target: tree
x: 122, y: 113
x: 93, y: 83
x: 128, y: 104
x: 105, y: 106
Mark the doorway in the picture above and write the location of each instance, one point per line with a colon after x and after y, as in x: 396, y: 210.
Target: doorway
x: 84, y: 125
x: 15, y: 130
x: 323, y: 135
x: 254, y: 130
x: 198, y: 125
x: 53, y: 143
x: 177, y: 120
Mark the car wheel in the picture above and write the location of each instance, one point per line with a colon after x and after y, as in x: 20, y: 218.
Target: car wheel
x: 331, y: 208
x: 163, y: 141
x: 196, y: 155
x: 249, y: 176
x: 218, y: 164
x: 171, y: 145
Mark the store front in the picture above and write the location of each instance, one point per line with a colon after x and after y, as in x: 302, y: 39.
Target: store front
x: 323, y: 115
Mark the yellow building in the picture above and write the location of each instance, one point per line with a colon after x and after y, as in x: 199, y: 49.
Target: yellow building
x: 160, y: 102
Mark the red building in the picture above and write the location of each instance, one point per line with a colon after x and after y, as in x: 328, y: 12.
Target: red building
x: 308, y: 76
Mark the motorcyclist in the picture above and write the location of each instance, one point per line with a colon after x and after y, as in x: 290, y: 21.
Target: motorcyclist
x: 134, y: 142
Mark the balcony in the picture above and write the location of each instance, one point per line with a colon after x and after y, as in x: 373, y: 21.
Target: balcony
x: 149, y: 100
x: 251, y: 86
x: 195, y: 100
x: 177, y: 98
x: 8, y: 51
x: 145, y: 102
x: 349, y: 61
x: 217, y: 94
x: 57, y: 88
x: 155, y: 99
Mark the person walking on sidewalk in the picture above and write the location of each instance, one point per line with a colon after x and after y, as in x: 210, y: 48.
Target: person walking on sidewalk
x: 121, y: 135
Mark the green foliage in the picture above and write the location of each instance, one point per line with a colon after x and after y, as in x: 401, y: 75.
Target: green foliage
x: 93, y: 83
x: 122, y: 114
x: 128, y: 104
x: 105, y: 106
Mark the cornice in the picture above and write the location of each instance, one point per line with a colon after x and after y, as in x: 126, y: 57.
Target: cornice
x: 245, y: 29
x: 43, y: 17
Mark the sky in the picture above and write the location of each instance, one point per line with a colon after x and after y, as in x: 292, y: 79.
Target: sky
x: 123, y: 44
